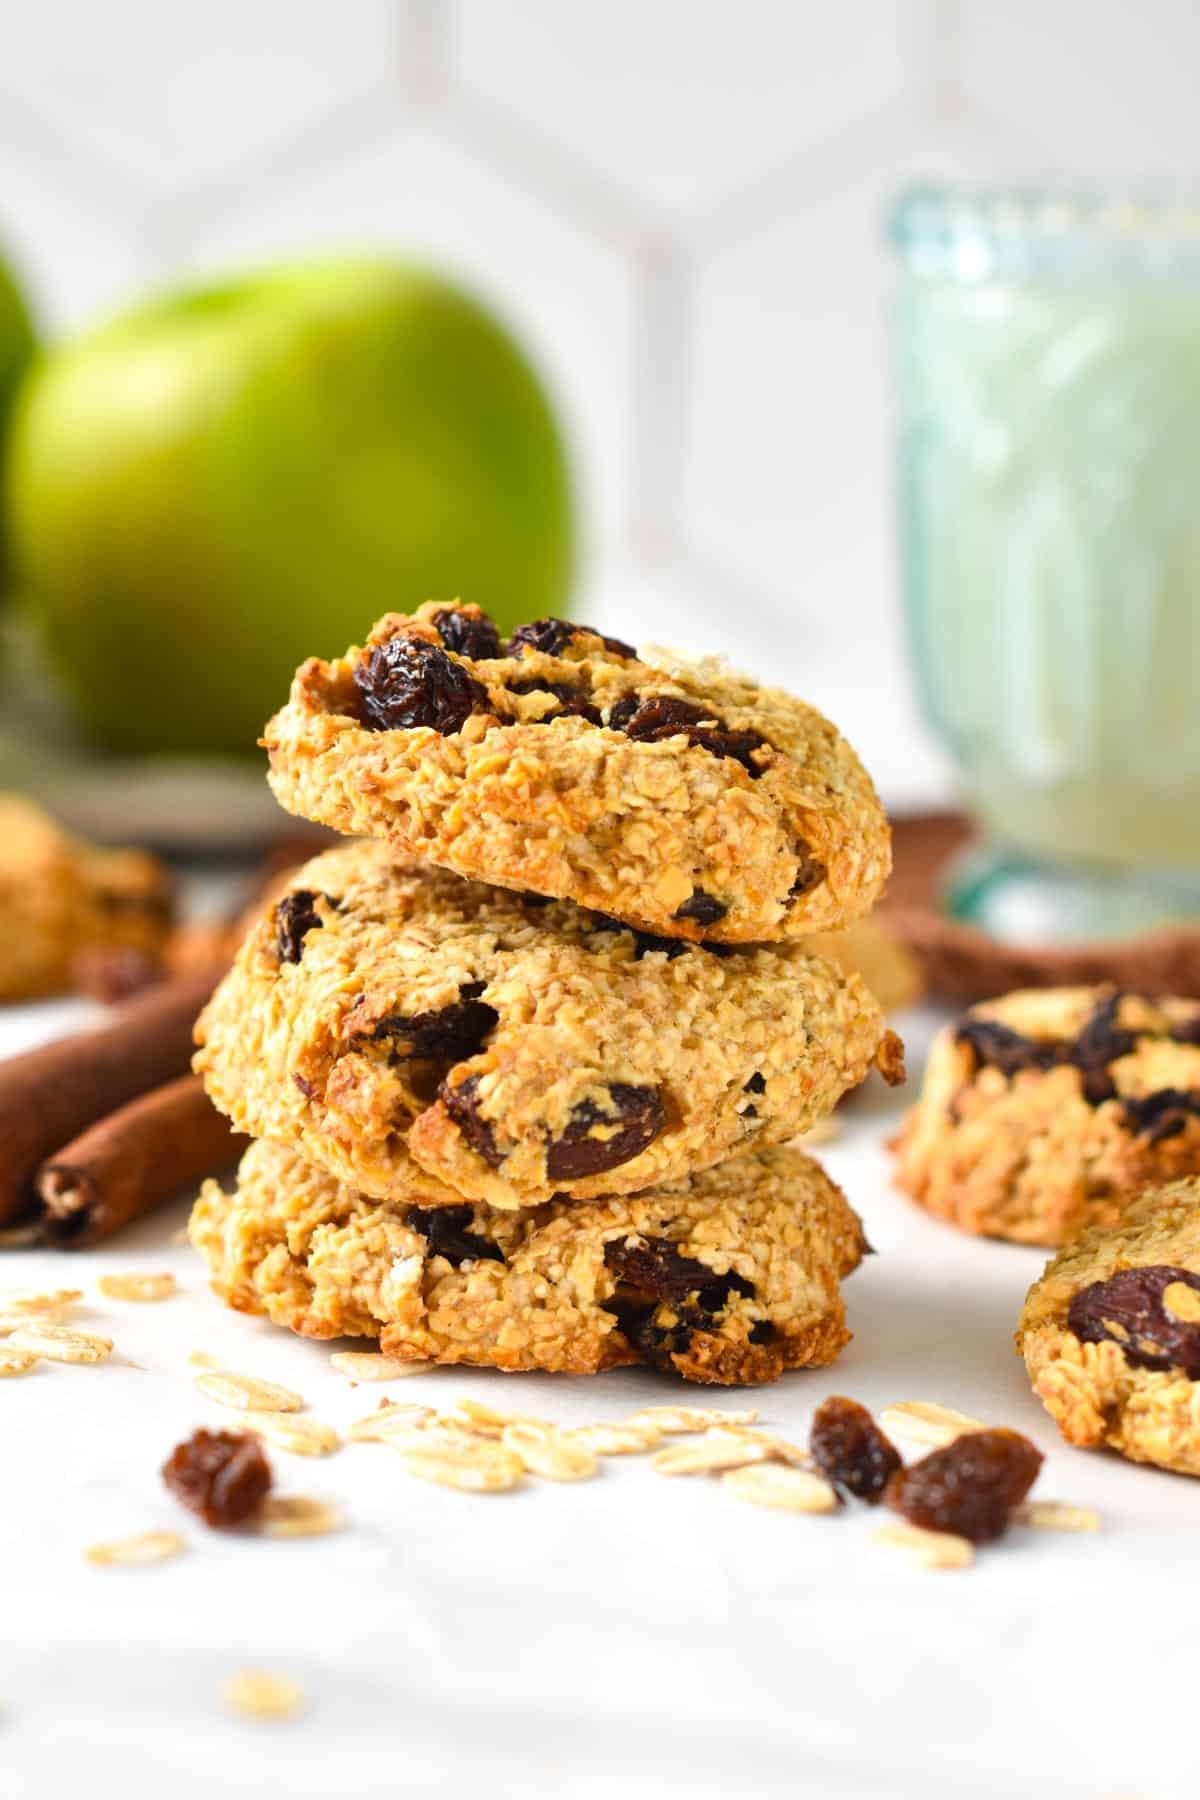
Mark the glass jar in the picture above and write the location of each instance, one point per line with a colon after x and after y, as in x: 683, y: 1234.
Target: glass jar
x: 1049, y: 492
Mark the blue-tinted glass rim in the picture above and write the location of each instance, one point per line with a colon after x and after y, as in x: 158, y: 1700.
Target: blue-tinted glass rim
x: 977, y: 234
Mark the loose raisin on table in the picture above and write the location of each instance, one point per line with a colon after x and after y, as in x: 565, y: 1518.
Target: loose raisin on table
x: 653, y: 718
x: 222, y: 1476
x: 448, y: 1034
x: 461, y: 1101
x: 1128, y: 1309
x: 702, y: 907
x: 447, y: 1232
x: 848, y: 1446
x: 969, y: 1487
x: 1162, y: 1114
x: 596, y: 1140
x: 407, y: 682
x: 467, y: 635
x: 295, y: 917
x: 551, y: 637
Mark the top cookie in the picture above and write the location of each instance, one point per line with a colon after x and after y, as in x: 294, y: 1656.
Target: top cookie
x: 1044, y: 1112
x: 404, y: 1029
x: 683, y: 799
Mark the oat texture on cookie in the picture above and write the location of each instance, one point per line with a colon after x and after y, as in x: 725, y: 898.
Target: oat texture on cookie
x: 1110, y: 1333
x: 1046, y: 1112
x: 678, y: 796
x: 732, y: 1275
x: 431, y: 1040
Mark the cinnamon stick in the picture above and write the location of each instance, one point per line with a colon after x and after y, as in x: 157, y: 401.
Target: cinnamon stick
x: 48, y: 1096
x: 132, y: 1161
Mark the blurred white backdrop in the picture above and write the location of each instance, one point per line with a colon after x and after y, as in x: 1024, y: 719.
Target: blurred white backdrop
x: 678, y: 202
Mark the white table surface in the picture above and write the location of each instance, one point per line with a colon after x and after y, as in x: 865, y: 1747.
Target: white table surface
x: 625, y: 1637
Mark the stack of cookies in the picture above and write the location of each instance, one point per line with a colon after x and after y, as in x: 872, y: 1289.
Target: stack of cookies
x: 524, y: 1067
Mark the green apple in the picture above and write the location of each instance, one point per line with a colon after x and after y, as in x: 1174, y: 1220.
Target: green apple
x: 16, y: 349
x: 216, y: 485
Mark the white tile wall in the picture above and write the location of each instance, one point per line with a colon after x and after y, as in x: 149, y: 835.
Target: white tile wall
x: 676, y: 201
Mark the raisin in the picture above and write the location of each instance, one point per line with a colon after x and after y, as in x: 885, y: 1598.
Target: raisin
x: 462, y: 1103
x: 222, y: 1476
x: 643, y: 941
x: 551, y: 637
x: 848, y: 1446
x: 448, y: 1035
x: 295, y: 917
x: 997, y: 1046
x: 652, y: 1275
x: 1128, y: 1309
x: 757, y: 1083
x: 762, y: 1332
x: 702, y: 907
x: 407, y: 682
x: 595, y: 1140
x: 1161, y: 1115
x: 1100, y: 1043
x: 969, y: 1487
x: 809, y: 874
x: 447, y: 1232
x: 571, y: 702
x: 652, y: 718
x: 467, y: 634
x: 655, y: 1269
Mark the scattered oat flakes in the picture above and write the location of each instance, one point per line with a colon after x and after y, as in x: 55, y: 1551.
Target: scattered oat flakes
x: 478, y: 1467
x: 933, y: 1549
x: 925, y: 1422
x: 483, y: 1420
x: 775, y: 1449
x: 16, y: 1362
x: 679, y: 1419
x: 60, y: 1343
x: 387, y: 1421
x: 202, y: 1359
x: 288, y: 1431
x: 618, y: 1439
x: 137, y: 1287
x: 296, y: 1515
x: 150, y: 1547
x: 548, y: 1451
x: 1056, y: 1515
x: 717, y: 1449
x: 247, y: 1394
x: 28, y: 1301
x: 257, y: 1694
x: 372, y: 1365
x: 774, y: 1484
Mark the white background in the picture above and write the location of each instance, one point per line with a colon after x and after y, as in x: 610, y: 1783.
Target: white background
x: 624, y: 1638
x: 678, y: 202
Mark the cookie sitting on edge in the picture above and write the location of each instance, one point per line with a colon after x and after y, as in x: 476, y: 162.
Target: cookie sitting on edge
x: 684, y: 799
x: 1046, y: 1111
x: 402, y: 1028
x: 1111, y: 1333
x: 730, y: 1277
